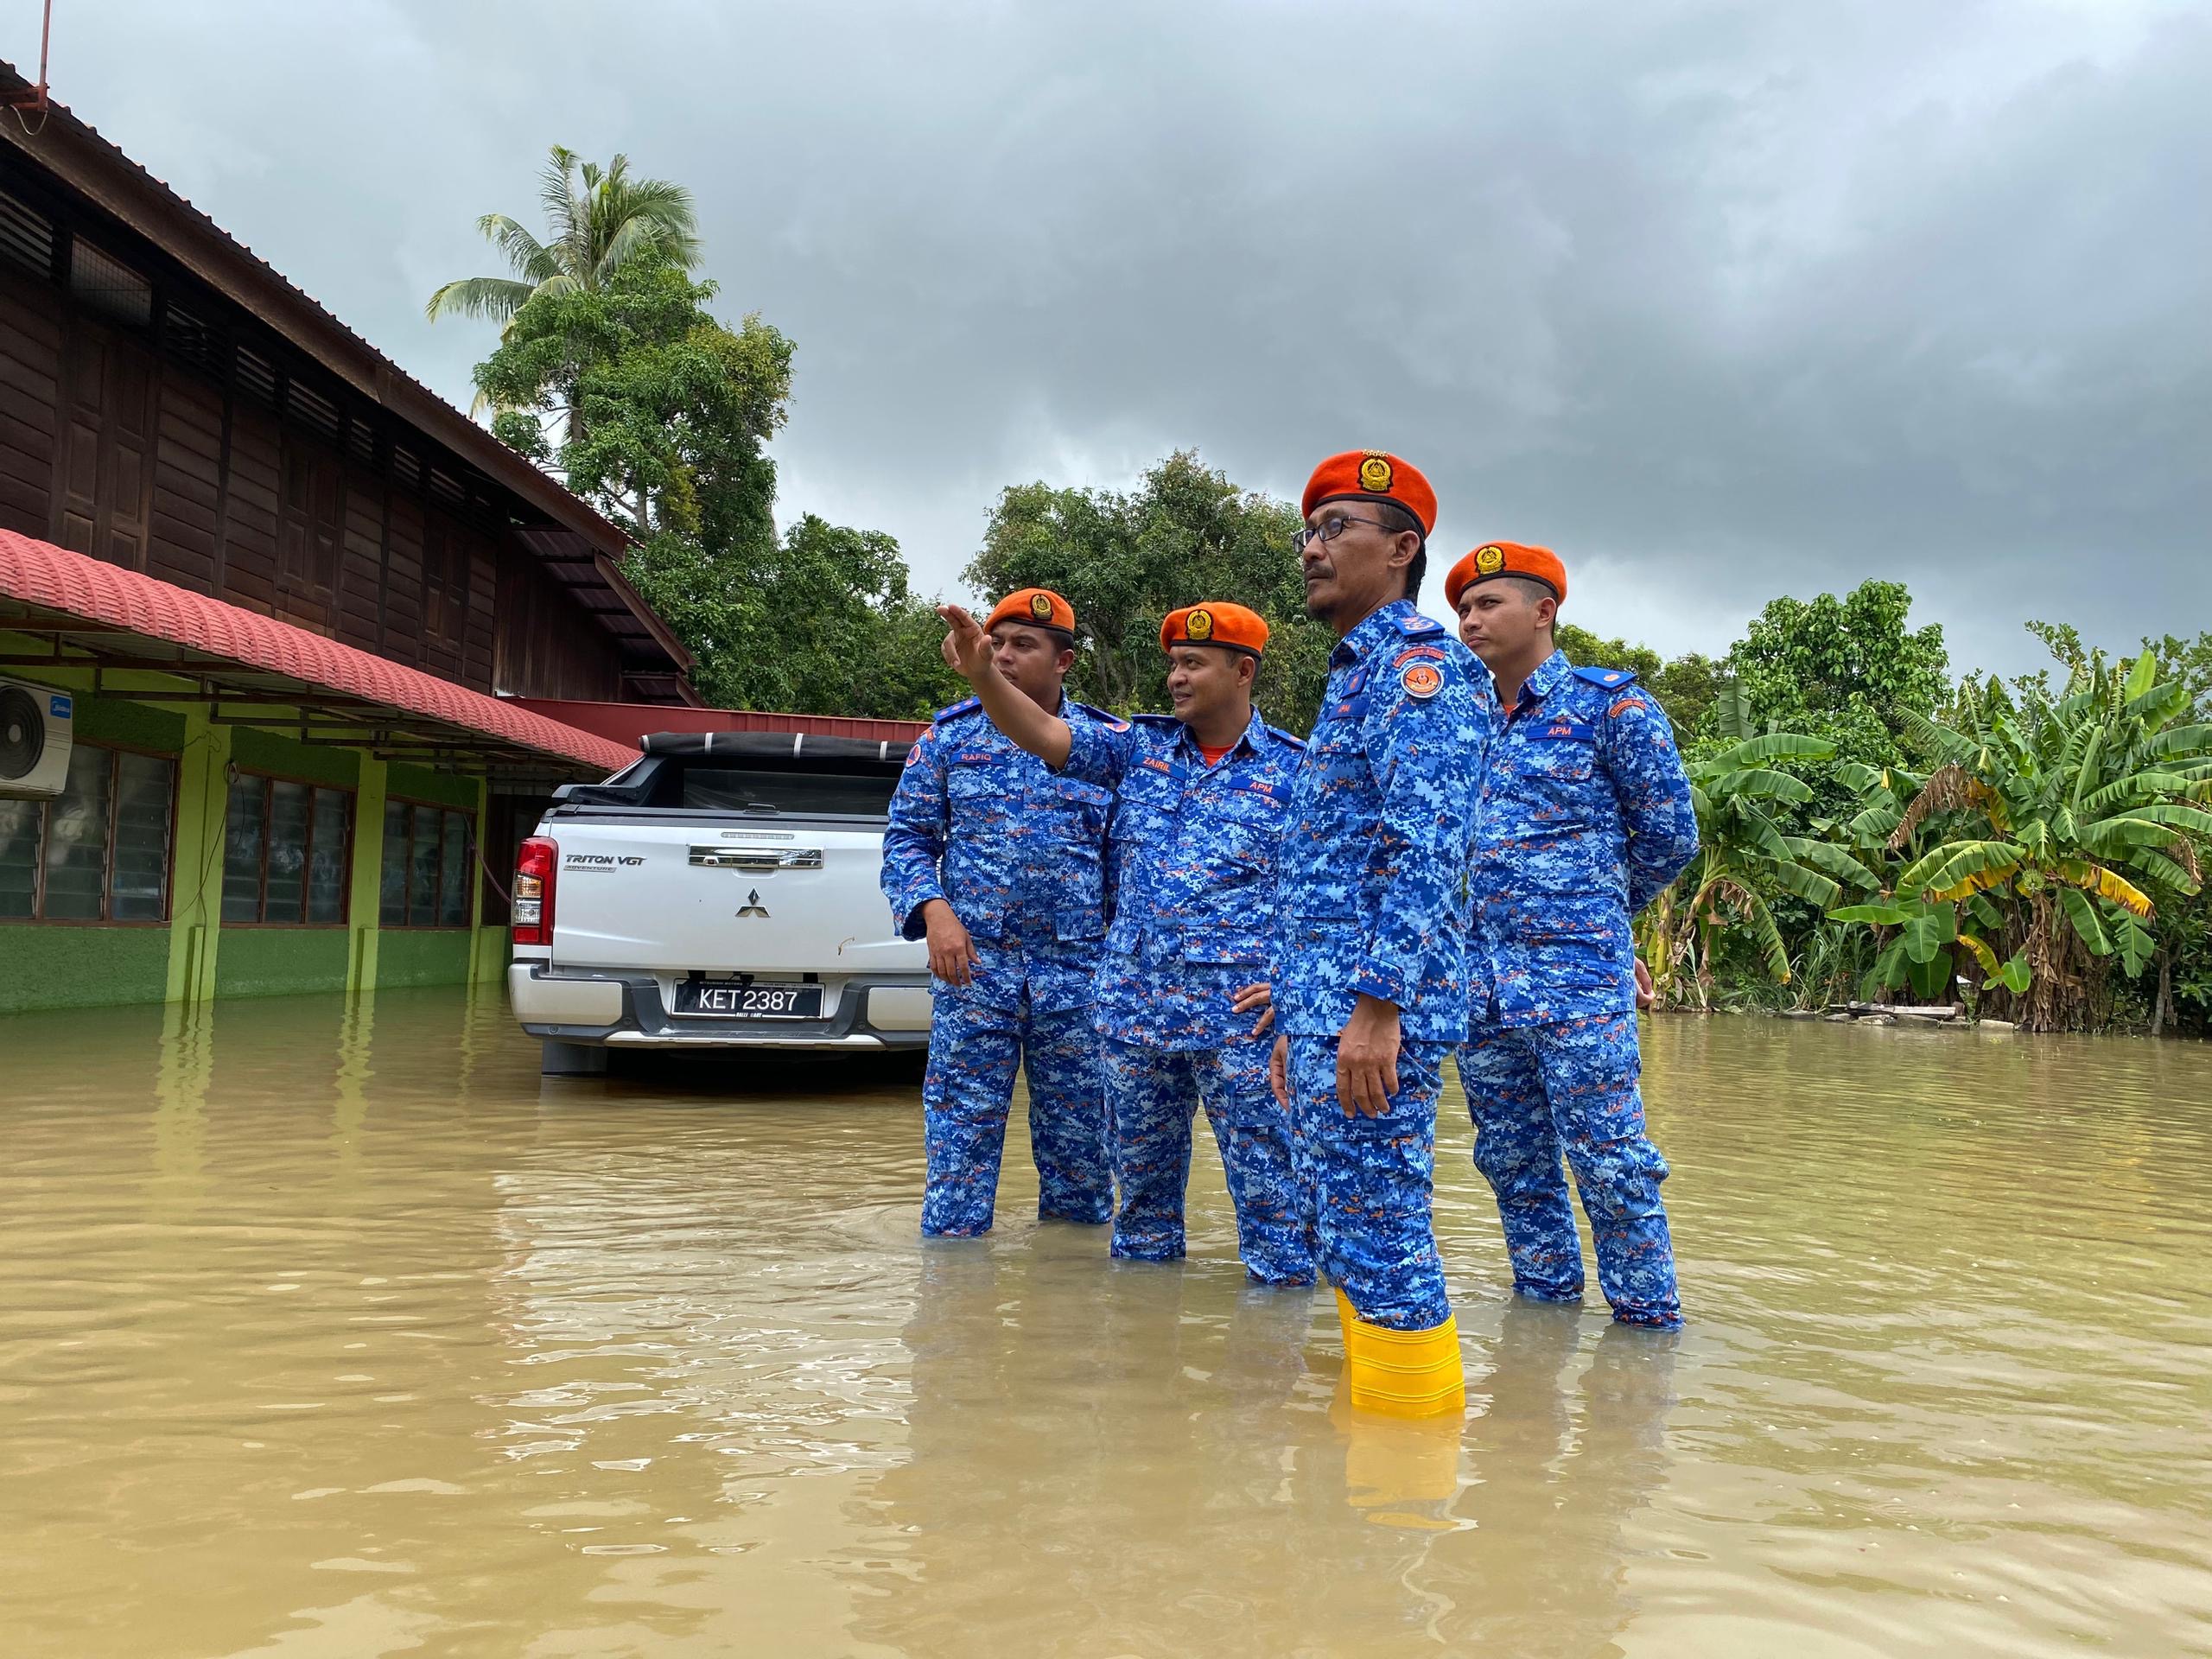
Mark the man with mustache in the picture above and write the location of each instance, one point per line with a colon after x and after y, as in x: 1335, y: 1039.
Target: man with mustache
x: 1371, y: 936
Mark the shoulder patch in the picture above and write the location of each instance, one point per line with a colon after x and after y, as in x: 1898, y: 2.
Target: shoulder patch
x: 1413, y: 653
x: 1608, y: 677
x: 1282, y: 737
x: 914, y: 755
x: 1624, y: 706
x: 965, y: 706
x: 1421, y: 681
x: 1417, y: 625
x: 1112, y: 722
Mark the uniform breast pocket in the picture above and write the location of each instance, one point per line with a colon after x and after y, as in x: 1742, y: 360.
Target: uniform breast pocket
x: 1562, y: 760
x: 1144, y: 809
x: 1337, y: 752
x: 1077, y: 810
x: 975, y: 796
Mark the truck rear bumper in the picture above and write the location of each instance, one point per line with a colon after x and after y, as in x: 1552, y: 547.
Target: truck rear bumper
x: 628, y: 1011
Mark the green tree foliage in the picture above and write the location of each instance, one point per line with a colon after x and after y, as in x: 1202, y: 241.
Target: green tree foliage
x: 612, y: 372
x: 1124, y: 560
x: 1846, y: 670
x: 823, y: 622
x: 668, y: 411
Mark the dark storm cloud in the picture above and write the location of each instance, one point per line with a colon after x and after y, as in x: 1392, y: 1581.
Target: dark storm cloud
x: 1721, y: 301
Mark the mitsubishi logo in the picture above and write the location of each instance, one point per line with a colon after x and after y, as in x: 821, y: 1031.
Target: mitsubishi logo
x: 752, y: 906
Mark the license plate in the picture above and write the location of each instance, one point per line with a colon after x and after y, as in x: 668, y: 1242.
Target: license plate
x: 760, y: 999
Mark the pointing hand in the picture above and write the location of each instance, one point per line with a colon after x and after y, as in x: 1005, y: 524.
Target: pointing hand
x: 967, y: 648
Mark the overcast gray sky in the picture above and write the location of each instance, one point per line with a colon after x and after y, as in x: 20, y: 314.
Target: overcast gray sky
x: 1719, y: 299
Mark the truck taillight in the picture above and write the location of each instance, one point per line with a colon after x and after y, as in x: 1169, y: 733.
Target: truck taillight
x: 535, y: 866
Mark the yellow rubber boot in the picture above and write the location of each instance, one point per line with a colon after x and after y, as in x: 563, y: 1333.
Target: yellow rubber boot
x: 1403, y: 1373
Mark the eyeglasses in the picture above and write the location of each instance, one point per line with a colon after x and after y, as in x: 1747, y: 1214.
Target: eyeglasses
x: 1329, y: 529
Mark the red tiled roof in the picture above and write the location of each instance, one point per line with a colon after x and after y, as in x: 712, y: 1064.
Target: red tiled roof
x: 54, y: 587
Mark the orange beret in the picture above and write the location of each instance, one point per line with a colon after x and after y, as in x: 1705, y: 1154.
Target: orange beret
x: 1372, y: 475
x: 1506, y: 559
x: 1212, y: 624
x: 1040, y: 608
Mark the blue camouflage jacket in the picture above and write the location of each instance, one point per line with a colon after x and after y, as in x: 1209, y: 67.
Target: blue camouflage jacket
x: 1017, y: 851
x: 1585, y: 817
x: 1371, y: 892
x: 1194, y: 873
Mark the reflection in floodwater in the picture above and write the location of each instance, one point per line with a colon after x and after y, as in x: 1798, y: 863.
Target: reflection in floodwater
x: 332, y: 1329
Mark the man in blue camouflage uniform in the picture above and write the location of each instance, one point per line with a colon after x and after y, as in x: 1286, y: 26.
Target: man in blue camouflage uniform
x: 1585, y: 817
x: 1370, y: 941
x: 1000, y: 864
x: 1199, y: 798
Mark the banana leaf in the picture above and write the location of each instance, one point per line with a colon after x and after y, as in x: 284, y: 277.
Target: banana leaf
x: 1881, y: 912
x: 1925, y: 934
x: 2084, y: 915
x: 2134, y: 944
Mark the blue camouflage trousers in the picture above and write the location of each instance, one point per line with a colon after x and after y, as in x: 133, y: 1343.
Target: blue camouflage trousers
x: 1152, y: 1097
x: 966, y: 1095
x: 1536, y: 1090
x: 1371, y: 1179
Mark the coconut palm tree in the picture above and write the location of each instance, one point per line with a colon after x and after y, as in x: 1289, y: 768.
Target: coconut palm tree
x: 598, y: 221
x: 2071, y: 811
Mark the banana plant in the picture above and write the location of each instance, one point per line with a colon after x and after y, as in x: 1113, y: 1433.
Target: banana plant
x: 1745, y: 858
x: 1919, y: 940
x: 2064, y: 814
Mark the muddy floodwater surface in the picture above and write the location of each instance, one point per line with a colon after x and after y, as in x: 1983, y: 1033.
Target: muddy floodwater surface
x: 338, y: 1331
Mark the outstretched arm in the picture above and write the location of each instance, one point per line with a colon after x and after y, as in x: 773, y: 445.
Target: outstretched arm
x: 967, y: 652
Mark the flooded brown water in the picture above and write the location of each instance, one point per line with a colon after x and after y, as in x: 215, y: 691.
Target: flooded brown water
x: 331, y: 1333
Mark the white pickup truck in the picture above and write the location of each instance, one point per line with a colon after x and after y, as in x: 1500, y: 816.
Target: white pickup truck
x: 718, y: 893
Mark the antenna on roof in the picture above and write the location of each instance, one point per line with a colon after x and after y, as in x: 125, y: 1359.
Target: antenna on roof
x: 36, y: 99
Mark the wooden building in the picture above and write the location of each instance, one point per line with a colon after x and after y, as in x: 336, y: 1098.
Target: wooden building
x: 173, y: 409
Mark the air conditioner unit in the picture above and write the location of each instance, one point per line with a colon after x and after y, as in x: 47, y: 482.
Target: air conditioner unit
x: 35, y: 739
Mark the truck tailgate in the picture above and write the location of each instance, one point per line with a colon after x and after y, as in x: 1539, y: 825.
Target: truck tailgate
x: 678, y: 897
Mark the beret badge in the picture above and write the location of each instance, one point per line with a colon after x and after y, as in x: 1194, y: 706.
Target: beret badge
x: 1376, y: 474
x: 1199, y: 625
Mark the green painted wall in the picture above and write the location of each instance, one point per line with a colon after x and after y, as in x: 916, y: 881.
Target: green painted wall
x: 422, y: 955
x: 139, y: 725
x: 258, y: 751
x: 194, y: 958
x: 43, y: 967
x: 414, y: 783
x: 280, y: 961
